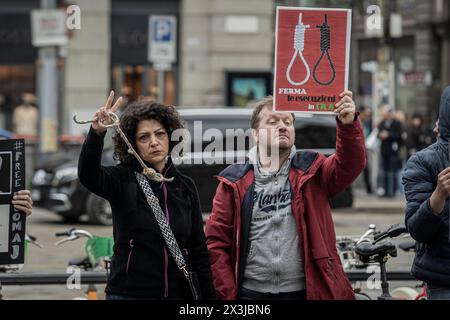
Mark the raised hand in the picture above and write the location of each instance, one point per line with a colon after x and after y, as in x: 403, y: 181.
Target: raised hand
x: 345, y: 108
x: 102, y: 114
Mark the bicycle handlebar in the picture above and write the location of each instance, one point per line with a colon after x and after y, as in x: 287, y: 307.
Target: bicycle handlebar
x: 372, y: 230
x: 66, y: 233
x: 391, y: 232
x: 72, y: 234
x: 33, y: 240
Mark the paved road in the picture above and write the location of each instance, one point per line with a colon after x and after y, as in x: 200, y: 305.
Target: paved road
x: 44, y: 224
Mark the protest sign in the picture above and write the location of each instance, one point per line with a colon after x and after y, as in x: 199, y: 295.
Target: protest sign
x: 12, y: 221
x: 311, y: 58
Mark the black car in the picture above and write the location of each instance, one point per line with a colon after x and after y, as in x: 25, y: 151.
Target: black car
x: 55, y: 185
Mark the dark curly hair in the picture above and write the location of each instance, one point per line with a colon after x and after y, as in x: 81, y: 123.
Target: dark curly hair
x: 136, y: 112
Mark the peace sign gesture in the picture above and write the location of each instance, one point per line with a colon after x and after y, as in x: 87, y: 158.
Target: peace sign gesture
x: 102, y: 114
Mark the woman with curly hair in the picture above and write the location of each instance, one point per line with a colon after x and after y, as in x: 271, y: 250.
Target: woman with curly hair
x: 142, y: 266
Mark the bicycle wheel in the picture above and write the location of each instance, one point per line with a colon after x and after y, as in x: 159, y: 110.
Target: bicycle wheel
x: 404, y: 293
x: 362, y: 296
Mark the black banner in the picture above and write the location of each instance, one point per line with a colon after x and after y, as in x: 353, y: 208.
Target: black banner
x: 12, y: 221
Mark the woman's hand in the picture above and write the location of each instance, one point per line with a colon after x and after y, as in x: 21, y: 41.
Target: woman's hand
x: 22, y: 201
x: 346, y: 109
x: 102, y: 114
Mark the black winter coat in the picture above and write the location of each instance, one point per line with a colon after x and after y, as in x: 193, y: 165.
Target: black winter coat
x: 142, y: 265
x: 431, y: 231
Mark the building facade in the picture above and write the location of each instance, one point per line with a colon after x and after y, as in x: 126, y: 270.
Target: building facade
x: 211, y: 47
x: 224, y: 54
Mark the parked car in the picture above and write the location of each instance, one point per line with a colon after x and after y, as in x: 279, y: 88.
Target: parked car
x: 55, y: 184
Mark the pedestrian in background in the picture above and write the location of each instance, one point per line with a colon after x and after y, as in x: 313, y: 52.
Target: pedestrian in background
x: 390, y: 136
x: 416, y: 135
x: 365, y: 116
x: 401, y: 117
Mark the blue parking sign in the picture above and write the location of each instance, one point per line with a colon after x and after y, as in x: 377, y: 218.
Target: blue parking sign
x: 162, y: 30
x: 162, y: 45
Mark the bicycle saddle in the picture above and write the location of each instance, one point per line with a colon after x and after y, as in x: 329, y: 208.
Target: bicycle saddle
x: 407, y: 245
x: 367, y: 249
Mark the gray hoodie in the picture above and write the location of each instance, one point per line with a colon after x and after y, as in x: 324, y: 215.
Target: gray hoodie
x: 274, y: 262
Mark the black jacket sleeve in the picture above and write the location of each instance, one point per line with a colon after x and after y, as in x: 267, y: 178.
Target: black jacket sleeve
x: 198, y: 251
x: 103, y: 181
x: 421, y: 222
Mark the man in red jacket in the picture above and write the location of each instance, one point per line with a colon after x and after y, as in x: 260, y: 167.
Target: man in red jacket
x: 270, y: 234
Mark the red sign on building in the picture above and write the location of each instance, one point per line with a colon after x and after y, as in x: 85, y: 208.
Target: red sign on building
x: 311, y: 58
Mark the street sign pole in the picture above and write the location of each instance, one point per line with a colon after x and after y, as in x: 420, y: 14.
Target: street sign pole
x: 161, y: 91
x: 162, y: 46
x: 48, y: 91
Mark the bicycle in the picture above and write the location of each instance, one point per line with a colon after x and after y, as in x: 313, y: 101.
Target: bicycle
x: 376, y: 251
x: 350, y: 261
x: 409, y: 293
x: 99, y: 251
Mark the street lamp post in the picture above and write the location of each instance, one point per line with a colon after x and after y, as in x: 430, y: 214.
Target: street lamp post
x: 48, y: 94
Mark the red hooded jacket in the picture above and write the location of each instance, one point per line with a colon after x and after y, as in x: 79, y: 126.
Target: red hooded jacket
x: 314, y: 178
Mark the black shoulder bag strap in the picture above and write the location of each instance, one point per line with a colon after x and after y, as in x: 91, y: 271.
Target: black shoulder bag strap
x: 167, y: 233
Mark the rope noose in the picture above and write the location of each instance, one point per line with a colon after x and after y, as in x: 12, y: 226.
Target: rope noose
x: 325, y: 46
x: 299, y: 47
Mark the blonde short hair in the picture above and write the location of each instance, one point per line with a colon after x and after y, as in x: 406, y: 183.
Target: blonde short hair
x: 258, y: 107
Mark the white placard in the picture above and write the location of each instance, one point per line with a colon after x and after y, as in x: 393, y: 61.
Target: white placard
x: 396, y: 25
x: 162, y: 44
x: 48, y: 27
x: 4, y: 228
x: 241, y: 24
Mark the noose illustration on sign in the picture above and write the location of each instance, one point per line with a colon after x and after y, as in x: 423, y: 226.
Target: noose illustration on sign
x: 299, y: 47
x: 325, y: 46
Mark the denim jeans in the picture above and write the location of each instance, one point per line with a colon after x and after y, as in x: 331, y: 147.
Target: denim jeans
x: 389, y: 174
x: 438, y: 293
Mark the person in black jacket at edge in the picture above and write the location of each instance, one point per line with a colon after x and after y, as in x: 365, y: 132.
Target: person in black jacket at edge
x: 426, y: 179
x: 142, y: 266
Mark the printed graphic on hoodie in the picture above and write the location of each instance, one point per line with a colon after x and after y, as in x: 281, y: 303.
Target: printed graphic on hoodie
x: 267, y: 202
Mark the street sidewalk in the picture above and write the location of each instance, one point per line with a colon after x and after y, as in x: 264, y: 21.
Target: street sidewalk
x: 364, y: 203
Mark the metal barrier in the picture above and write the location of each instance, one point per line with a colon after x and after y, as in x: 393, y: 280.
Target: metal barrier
x: 22, y: 279
x: 396, y: 275
x: 96, y: 277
